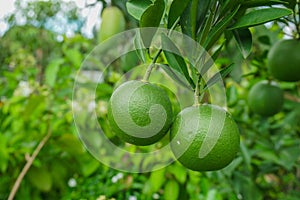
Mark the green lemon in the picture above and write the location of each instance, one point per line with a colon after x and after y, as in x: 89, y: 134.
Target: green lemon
x: 265, y: 98
x: 284, y: 60
x: 140, y: 113
x: 204, y: 138
x: 113, y: 22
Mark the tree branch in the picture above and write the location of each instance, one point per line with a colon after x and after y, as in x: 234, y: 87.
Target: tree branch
x: 291, y: 97
x: 28, y: 165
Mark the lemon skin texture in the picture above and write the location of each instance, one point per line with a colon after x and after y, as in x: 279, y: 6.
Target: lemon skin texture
x: 143, y: 125
x: 190, y: 130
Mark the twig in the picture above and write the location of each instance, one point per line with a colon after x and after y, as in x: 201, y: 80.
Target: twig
x: 28, y: 165
x: 291, y: 97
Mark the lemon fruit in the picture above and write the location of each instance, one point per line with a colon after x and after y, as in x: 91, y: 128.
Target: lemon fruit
x: 113, y: 22
x: 284, y: 60
x: 140, y: 113
x: 265, y: 98
x: 204, y: 138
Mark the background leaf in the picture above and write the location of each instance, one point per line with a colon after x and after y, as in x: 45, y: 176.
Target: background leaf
x: 176, y: 9
x: 137, y: 7
x: 174, y: 58
x: 171, y: 191
x: 243, y: 39
x: 261, y: 16
x: 51, y: 71
x: 218, y: 76
x: 151, y: 18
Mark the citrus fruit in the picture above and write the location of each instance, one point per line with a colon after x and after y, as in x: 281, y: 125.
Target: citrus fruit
x: 140, y: 113
x: 284, y: 60
x: 113, y: 22
x: 204, y: 138
x: 265, y: 98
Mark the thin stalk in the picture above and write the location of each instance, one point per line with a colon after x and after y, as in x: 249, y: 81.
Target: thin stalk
x: 28, y: 165
x: 151, y: 66
x: 197, y: 92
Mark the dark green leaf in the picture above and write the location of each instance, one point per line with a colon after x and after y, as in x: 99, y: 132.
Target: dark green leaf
x: 151, y: 18
x: 177, y: 76
x: 243, y: 38
x: 176, y: 9
x: 174, y: 59
x: 218, y: 76
x: 264, y: 39
x: 256, y: 3
x: 153, y: 14
x: 40, y: 178
x: 291, y: 3
x: 136, y: 8
x: 211, y: 60
x: 188, y: 19
x: 229, y: 5
x: 260, y: 16
x: 219, y: 29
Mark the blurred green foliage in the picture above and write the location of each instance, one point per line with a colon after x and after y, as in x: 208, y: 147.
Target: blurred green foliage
x: 37, y: 73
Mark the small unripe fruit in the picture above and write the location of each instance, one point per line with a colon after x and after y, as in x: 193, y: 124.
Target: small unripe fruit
x: 113, y: 22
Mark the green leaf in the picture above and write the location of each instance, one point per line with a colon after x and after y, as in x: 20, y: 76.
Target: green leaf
x: 140, y: 48
x: 157, y: 179
x: 251, y: 3
x: 288, y: 157
x: 243, y: 38
x: 74, y: 56
x: 218, y: 76
x: 175, y: 61
x: 219, y: 29
x: 71, y: 144
x: 151, y: 18
x: 136, y: 8
x: 89, y: 167
x: 188, y: 19
x: 176, y: 76
x: 4, y: 154
x: 176, y: 9
x: 246, y: 154
x: 171, y: 191
x: 52, y: 70
x: 153, y: 14
x: 261, y: 16
x: 40, y: 178
x: 229, y: 5
x: 211, y: 60
x: 179, y: 172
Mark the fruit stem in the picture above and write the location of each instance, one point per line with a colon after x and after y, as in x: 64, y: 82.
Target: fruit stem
x: 151, y: 66
x: 197, y: 92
